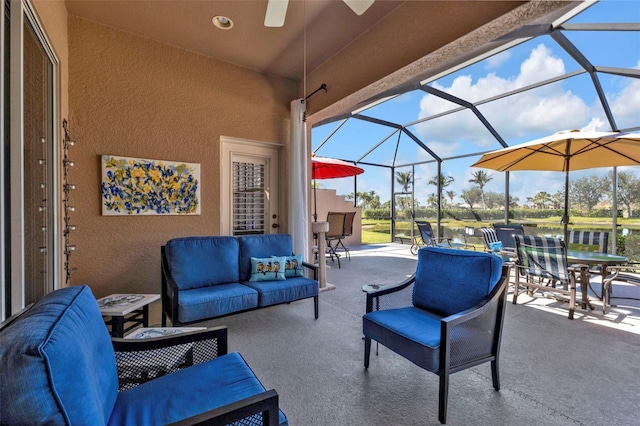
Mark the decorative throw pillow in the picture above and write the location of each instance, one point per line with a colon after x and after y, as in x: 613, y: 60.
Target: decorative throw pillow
x: 293, y: 266
x: 267, y: 269
x: 496, y: 247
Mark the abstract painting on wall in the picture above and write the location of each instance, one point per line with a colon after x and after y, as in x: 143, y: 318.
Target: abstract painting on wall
x: 135, y: 186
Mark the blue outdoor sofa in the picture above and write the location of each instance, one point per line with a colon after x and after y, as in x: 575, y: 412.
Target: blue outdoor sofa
x: 214, y: 276
x: 59, y: 366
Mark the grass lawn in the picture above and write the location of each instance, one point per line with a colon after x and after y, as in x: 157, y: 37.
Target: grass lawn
x: 377, y: 231
x: 371, y: 237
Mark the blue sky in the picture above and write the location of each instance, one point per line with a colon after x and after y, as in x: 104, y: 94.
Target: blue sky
x: 569, y: 104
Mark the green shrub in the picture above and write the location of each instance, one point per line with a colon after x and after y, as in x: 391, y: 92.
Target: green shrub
x: 380, y: 214
x: 629, y: 246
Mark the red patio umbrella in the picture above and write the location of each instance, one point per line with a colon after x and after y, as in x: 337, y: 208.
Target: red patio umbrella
x: 330, y: 168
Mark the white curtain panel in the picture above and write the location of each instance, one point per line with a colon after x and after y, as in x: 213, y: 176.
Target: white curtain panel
x: 299, y: 181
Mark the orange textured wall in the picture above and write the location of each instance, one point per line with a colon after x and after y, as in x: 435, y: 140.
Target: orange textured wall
x: 134, y: 97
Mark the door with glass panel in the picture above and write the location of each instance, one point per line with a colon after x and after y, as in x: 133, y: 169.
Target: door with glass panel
x: 250, y: 177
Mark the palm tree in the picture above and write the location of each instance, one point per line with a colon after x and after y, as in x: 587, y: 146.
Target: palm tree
x: 444, y: 180
x: 481, y: 178
x: 451, y: 195
x: 541, y: 200
x: 404, y: 179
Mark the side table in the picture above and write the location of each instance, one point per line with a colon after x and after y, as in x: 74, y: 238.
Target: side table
x: 126, y: 308
x: 152, y: 332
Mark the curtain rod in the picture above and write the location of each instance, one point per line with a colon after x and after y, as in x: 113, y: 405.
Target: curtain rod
x: 322, y: 87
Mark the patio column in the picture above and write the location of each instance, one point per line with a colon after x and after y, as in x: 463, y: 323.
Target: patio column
x: 320, y: 229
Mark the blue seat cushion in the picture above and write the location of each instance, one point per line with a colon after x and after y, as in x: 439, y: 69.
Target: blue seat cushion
x: 261, y: 246
x: 215, y: 301
x: 410, y: 332
x: 42, y: 352
x: 293, y: 288
x: 449, y: 281
x: 188, y: 392
x: 202, y: 261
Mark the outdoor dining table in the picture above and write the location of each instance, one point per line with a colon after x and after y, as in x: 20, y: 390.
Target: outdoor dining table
x: 594, y: 258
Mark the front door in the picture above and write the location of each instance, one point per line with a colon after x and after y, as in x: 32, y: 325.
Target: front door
x: 249, y: 193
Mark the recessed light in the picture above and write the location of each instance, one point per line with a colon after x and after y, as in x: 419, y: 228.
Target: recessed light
x: 222, y: 22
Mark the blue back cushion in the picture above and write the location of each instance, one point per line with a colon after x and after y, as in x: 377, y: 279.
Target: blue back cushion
x: 261, y: 246
x: 58, y: 365
x: 449, y: 281
x: 197, y: 262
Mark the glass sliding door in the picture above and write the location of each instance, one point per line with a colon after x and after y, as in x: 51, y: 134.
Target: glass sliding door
x: 29, y: 195
x: 38, y: 163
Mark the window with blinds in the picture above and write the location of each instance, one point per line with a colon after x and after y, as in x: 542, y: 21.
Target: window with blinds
x: 249, y: 198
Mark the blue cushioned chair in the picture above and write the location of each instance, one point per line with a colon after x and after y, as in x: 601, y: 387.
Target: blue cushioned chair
x: 450, y: 318
x: 59, y: 366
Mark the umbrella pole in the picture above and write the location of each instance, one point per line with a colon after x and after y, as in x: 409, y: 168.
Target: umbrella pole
x: 565, y: 217
x: 315, y: 202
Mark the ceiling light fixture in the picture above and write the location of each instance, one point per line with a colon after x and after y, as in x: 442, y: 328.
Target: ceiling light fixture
x: 222, y: 22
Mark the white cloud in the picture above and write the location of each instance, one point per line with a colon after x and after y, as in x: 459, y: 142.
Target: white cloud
x: 498, y: 59
x: 520, y: 117
x: 625, y: 106
x: 544, y: 110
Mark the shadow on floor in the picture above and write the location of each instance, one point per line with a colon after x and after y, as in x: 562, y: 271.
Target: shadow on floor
x: 553, y: 371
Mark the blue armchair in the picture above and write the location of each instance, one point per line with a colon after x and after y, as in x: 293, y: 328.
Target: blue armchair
x: 59, y: 366
x: 449, y: 319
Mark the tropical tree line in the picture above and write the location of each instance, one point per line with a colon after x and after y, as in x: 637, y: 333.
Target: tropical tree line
x: 584, y: 194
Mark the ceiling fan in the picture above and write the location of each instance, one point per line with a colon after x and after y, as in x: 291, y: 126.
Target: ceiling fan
x: 277, y: 10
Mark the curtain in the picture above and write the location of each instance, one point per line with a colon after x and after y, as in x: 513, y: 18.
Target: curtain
x: 299, y: 181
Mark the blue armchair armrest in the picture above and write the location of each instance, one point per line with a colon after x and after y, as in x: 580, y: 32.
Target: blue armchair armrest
x: 143, y: 360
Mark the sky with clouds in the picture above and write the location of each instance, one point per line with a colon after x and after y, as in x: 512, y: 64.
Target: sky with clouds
x: 569, y: 104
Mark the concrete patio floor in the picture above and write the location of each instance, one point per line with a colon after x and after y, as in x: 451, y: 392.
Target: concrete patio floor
x: 554, y: 371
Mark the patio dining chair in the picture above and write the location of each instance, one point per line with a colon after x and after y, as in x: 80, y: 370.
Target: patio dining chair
x: 623, y: 275
x: 505, y: 233
x: 347, y: 231
x: 493, y: 245
x: 591, y: 241
x: 542, y: 266
x: 334, y: 234
x: 594, y: 241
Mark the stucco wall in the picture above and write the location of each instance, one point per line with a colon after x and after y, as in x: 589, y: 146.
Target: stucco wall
x: 135, y: 97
